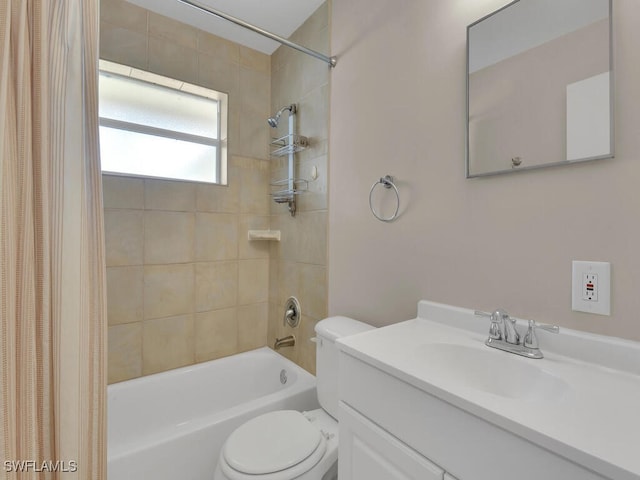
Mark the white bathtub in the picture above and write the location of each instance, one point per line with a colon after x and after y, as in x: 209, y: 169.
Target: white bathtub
x: 172, y: 425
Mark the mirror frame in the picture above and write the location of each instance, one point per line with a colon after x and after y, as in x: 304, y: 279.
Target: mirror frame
x: 611, y: 153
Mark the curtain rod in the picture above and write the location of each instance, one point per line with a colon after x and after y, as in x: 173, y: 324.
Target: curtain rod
x: 330, y: 60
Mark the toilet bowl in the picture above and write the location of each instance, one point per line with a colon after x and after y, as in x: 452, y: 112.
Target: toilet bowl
x: 287, y: 444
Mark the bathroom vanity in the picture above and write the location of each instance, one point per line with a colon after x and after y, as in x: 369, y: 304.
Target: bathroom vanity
x: 427, y: 399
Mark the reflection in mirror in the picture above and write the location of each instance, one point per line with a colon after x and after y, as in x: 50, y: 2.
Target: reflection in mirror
x: 539, y: 86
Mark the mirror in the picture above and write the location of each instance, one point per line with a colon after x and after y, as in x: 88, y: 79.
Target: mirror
x: 539, y: 86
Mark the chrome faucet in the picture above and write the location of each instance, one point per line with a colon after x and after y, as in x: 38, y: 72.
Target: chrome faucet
x: 503, y: 334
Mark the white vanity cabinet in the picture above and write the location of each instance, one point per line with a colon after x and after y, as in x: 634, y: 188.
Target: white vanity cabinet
x: 368, y: 452
x: 392, y: 430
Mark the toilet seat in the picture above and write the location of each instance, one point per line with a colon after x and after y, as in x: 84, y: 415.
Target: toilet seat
x: 279, y: 445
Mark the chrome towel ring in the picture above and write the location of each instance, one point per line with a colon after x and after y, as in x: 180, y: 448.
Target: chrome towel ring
x: 387, y: 182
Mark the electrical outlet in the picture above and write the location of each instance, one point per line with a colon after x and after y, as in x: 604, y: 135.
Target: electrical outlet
x: 591, y: 287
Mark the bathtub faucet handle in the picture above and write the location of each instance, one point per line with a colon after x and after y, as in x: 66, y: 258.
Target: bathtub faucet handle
x: 292, y: 312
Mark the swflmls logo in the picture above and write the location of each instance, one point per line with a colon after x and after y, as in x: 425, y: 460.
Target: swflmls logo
x: 39, y: 467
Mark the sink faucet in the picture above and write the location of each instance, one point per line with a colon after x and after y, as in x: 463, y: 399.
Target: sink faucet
x: 503, y: 334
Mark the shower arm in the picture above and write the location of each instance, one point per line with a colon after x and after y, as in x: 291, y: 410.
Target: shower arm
x: 217, y: 13
x: 273, y: 121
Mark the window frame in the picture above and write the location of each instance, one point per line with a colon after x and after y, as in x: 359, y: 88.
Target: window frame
x: 222, y: 100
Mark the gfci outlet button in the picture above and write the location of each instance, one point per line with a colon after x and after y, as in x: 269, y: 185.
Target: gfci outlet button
x: 591, y: 287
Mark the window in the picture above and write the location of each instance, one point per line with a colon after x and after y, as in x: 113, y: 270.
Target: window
x: 155, y: 126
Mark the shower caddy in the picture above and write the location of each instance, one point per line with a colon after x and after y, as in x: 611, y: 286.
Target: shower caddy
x: 288, y: 145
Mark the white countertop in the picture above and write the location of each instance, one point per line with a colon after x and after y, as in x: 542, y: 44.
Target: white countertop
x: 583, y: 411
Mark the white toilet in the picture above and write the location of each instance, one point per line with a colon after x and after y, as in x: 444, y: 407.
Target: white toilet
x: 287, y: 444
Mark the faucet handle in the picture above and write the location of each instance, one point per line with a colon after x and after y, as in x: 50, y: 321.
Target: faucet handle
x: 530, y: 339
x: 495, y: 332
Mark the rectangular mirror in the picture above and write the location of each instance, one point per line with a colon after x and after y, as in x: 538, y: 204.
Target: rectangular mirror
x: 539, y: 86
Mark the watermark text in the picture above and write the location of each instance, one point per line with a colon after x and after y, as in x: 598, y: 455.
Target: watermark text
x: 21, y: 466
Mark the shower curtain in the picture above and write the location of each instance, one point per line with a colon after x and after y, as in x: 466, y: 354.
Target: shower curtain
x: 52, y: 280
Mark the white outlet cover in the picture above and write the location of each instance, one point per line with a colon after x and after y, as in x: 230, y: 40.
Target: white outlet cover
x: 601, y: 301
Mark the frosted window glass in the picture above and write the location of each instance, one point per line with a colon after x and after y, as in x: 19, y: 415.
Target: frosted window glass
x: 135, y: 153
x: 133, y: 101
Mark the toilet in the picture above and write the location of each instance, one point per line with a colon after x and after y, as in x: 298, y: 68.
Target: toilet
x: 287, y: 444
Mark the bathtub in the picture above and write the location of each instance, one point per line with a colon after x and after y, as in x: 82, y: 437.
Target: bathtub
x: 172, y: 425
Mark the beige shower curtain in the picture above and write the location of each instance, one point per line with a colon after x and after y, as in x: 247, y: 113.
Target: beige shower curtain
x: 52, y: 287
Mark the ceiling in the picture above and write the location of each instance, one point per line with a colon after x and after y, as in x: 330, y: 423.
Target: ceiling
x: 282, y: 17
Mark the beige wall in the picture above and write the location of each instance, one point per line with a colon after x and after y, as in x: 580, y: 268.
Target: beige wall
x: 184, y: 284
x: 398, y: 107
x: 298, y: 262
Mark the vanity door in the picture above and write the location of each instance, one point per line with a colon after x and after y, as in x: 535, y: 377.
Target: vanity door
x: 368, y: 452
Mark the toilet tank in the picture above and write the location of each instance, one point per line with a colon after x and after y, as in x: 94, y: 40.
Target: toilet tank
x: 327, y: 332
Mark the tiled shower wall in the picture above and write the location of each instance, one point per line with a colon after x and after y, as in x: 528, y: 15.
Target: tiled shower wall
x: 184, y: 284
x: 298, y: 262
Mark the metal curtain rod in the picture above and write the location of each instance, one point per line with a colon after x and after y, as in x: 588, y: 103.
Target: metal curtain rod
x: 217, y: 13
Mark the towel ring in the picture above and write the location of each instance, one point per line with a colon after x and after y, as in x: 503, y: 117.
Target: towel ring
x: 387, y: 182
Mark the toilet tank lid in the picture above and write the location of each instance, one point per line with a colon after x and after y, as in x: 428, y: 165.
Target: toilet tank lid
x: 333, y: 328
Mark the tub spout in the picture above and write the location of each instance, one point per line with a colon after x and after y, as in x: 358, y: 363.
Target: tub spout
x: 288, y: 341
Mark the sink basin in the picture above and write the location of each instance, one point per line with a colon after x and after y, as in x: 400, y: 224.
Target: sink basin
x: 491, y: 371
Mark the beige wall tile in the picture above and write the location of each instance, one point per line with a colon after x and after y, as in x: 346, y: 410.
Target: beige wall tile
x: 168, y: 58
x: 123, y: 237
x: 168, y: 290
x: 289, y: 246
x: 122, y: 192
x: 288, y: 281
x: 313, y: 290
x: 216, y: 237
x: 216, y: 285
x: 255, y: 60
x: 168, y: 343
x: 168, y: 28
x: 288, y: 83
x: 255, y: 87
x: 220, y: 198
x: 216, y: 334
x: 169, y: 237
x: 253, y: 281
x: 169, y: 195
x: 274, y: 284
x: 252, y: 326
x: 125, y: 352
x: 317, y: 148
x: 313, y: 114
x: 233, y: 141
x: 315, y: 198
x: 253, y: 135
x: 220, y: 75
x: 218, y: 47
x: 272, y: 327
x: 122, y: 45
x: 312, y: 235
x: 125, y: 294
x: 254, y: 190
x: 254, y: 111
x: 124, y: 14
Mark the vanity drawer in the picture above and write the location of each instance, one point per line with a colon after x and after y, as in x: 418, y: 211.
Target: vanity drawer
x: 461, y: 443
x: 368, y: 452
